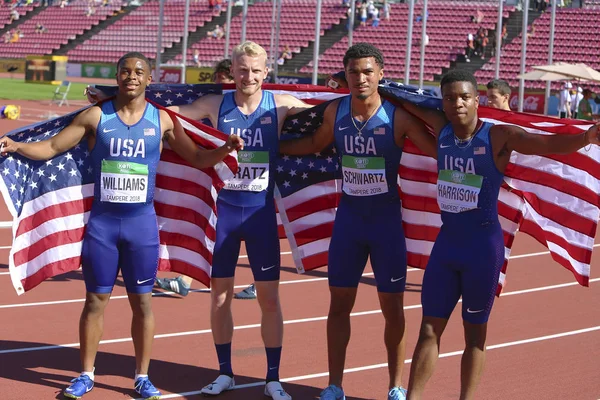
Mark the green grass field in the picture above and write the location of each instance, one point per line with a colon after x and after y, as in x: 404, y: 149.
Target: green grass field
x: 17, y: 89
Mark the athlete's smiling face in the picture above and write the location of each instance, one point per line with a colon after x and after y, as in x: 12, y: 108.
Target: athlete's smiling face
x: 363, y: 76
x: 249, y: 72
x: 133, y: 76
x: 460, y: 101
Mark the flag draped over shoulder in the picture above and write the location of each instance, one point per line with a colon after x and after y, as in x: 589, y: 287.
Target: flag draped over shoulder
x: 552, y: 198
x: 50, y: 203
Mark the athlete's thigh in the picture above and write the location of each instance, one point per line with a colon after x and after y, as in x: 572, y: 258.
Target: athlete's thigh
x: 387, y: 247
x: 262, y: 241
x: 480, y: 275
x: 139, y: 252
x: 100, y: 255
x: 441, y: 282
x: 348, y: 253
x: 228, y: 240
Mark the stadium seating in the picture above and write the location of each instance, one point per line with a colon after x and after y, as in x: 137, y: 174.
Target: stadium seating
x: 447, y: 27
x: 6, y: 10
x: 297, y: 28
x: 62, y: 24
x: 137, y: 31
x: 571, y: 44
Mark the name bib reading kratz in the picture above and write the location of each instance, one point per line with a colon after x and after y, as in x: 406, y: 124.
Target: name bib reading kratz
x: 253, y: 172
x: 123, y: 182
x: 458, y: 192
x: 363, y: 176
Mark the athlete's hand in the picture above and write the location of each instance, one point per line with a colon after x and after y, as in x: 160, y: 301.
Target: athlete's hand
x: 593, y: 134
x: 7, y: 145
x: 234, y: 142
x: 336, y: 82
x: 94, y: 95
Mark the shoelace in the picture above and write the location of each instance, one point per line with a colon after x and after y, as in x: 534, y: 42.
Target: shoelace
x: 144, y: 385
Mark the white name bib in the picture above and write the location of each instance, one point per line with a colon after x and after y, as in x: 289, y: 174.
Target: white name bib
x: 123, y: 182
x: 458, y: 192
x: 253, y: 173
x: 363, y: 176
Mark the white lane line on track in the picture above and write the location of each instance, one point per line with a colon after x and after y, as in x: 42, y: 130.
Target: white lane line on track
x: 408, y: 361
x: 254, y: 326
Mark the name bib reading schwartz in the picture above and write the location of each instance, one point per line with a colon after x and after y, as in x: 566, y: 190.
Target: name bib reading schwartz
x: 457, y: 191
x: 123, y: 182
x: 363, y: 176
x: 253, y: 172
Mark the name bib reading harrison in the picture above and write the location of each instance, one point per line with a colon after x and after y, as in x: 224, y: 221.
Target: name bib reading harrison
x: 123, y: 182
x: 458, y: 192
x: 363, y: 176
x: 253, y: 172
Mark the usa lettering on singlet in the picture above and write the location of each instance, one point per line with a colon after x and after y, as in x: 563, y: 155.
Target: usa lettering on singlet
x: 368, y: 150
x: 125, y: 157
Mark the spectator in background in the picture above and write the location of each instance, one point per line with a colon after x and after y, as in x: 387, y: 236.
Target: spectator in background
x: 39, y: 28
x: 576, y: 97
x: 287, y: 53
x: 363, y: 15
x: 7, y: 36
x: 478, y: 17
x: 197, y: 57
x: 387, y: 9
x: 470, y: 50
x: 564, y: 101
x: 216, y: 33
x: 14, y: 16
x: 375, y: 16
x: 585, y: 106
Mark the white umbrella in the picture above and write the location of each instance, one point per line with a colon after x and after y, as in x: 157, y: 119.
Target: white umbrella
x: 538, y: 75
x: 580, y: 72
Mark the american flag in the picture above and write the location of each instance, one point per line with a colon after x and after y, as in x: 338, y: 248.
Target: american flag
x: 50, y: 203
x: 552, y: 198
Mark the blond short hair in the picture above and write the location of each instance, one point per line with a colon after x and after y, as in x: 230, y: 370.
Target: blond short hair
x: 249, y: 48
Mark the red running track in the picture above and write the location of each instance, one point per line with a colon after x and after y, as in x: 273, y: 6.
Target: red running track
x: 543, y: 339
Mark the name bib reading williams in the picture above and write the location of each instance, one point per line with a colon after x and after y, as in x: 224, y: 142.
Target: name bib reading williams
x: 458, y: 192
x: 253, y: 172
x: 123, y: 182
x: 363, y: 176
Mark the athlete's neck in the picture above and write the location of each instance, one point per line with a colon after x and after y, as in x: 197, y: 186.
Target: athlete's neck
x: 129, y: 107
x: 362, y: 109
x: 247, y: 104
x: 467, y: 130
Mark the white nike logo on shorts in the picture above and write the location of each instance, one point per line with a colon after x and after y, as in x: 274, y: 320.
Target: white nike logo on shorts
x: 268, y: 268
x: 228, y: 120
x: 474, y: 311
x: 396, y: 279
x: 144, y: 281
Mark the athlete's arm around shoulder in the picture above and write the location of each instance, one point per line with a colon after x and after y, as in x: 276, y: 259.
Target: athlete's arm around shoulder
x: 206, y: 106
x: 291, y: 104
x: 434, y: 118
x: 406, y: 124
x: 183, y: 145
x: 513, y: 138
x: 84, y: 123
x: 316, y: 141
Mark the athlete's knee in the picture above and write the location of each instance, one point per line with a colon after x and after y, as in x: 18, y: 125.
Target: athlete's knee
x: 95, y: 303
x: 475, y: 334
x: 432, y: 329
x: 221, y: 293
x: 392, y: 307
x: 267, y: 294
x: 342, y: 301
x: 141, y: 304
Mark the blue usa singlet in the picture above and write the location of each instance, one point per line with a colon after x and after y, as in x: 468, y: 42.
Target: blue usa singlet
x: 368, y: 221
x: 370, y: 157
x: 125, y: 159
x: 468, y: 179
x: 254, y: 182
x: 122, y: 231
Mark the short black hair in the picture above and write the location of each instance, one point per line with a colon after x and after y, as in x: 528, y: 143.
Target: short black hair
x: 501, y: 85
x: 223, y: 66
x: 134, y: 54
x: 458, y: 75
x: 363, y: 50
